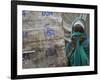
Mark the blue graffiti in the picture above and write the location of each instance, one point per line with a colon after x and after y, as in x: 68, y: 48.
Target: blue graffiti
x: 23, y: 13
x: 49, y: 32
x: 25, y: 34
x: 47, y: 13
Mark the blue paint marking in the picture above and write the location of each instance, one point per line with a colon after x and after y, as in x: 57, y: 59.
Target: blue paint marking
x: 49, y: 32
x: 47, y: 13
x: 25, y: 34
x: 23, y: 13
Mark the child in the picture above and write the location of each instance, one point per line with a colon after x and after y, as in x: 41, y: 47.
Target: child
x: 77, y: 50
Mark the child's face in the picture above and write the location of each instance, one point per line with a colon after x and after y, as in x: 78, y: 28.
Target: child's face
x: 77, y: 28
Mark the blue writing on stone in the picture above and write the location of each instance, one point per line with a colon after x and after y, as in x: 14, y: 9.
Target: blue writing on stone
x: 23, y: 13
x: 47, y: 13
x: 25, y: 34
x: 49, y: 32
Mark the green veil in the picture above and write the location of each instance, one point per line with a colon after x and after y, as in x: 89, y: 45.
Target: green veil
x: 79, y: 56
